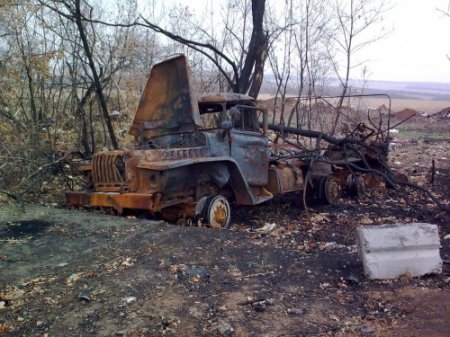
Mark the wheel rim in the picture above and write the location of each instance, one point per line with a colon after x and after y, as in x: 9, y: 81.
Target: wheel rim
x: 219, y: 212
x: 332, y: 191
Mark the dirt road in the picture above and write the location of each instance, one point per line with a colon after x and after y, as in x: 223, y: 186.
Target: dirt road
x: 149, y: 278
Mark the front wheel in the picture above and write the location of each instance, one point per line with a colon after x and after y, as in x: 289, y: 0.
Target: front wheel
x: 218, y: 212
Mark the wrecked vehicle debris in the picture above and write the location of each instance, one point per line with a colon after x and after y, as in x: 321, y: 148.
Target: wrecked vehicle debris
x: 85, y: 295
x: 194, y: 156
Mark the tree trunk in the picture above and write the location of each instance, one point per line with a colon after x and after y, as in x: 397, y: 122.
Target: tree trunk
x: 258, y: 75
x: 256, y: 53
x: 98, y: 86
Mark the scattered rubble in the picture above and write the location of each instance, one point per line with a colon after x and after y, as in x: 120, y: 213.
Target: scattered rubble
x: 444, y: 114
x: 85, y: 295
x: 129, y: 299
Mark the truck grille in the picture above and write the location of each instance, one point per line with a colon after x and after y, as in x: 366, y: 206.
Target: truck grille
x: 108, y: 172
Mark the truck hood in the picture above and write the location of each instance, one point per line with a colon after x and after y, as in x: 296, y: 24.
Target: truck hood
x: 168, y: 103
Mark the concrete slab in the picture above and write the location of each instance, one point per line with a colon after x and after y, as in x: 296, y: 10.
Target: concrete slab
x: 391, y: 250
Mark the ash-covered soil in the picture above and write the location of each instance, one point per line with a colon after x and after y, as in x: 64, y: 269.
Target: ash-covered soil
x: 139, y: 277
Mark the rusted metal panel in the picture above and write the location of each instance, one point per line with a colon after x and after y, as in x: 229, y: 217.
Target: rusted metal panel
x: 117, y: 201
x: 168, y: 102
x: 283, y: 180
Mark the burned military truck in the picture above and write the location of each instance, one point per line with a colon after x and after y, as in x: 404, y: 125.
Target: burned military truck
x: 194, y: 156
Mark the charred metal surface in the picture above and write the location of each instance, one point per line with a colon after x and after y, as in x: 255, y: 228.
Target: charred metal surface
x: 283, y: 179
x: 194, y: 155
x: 168, y: 103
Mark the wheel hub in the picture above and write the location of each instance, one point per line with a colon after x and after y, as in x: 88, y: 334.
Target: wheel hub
x: 332, y: 191
x: 218, y: 214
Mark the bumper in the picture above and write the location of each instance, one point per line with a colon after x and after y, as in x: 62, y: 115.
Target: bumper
x: 114, y: 200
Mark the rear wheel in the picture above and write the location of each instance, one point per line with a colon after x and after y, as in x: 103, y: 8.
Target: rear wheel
x: 356, y: 185
x: 331, y: 190
x: 360, y: 187
x: 218, y: 212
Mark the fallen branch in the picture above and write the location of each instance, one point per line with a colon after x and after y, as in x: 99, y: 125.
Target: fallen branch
x: 258, y: 274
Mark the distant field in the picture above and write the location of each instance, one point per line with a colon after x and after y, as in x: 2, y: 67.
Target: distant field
x: 406, y: 134
x: 416, y: 104
x: 428, y: 106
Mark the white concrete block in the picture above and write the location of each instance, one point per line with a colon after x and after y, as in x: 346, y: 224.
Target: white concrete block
x: 388, y: 251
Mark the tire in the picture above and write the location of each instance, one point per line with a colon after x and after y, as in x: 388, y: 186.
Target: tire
x: 218, y: 212
x: 356, y: 185
x: 360, y: 187
x: 332, y: 191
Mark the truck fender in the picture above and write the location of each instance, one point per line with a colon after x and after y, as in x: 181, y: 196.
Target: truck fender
x: 238, y: 184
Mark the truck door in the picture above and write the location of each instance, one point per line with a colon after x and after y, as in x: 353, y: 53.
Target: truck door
x: 249, y: 148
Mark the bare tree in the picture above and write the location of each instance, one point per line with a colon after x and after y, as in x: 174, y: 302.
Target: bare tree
x: 244, y: 71
x: 310, y: 40
x: 353, y: 19
x: 297, y: 59
x: 445, y: 12
x: 280, y: 61
x: 73, y: 12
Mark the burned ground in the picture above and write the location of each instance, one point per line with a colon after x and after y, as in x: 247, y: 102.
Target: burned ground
x: 150, y: 278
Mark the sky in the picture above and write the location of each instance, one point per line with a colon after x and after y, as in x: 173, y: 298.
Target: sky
x: 416, y: 50
x: 418, y: 46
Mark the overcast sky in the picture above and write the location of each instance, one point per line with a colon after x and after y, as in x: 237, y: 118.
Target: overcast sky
x: 416, y: 49
x: 418, y: 46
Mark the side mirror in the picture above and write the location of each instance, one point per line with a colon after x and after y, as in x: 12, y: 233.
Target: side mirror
x: 230, y: 116
x: 226, y: 125
x: 235, y: 114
